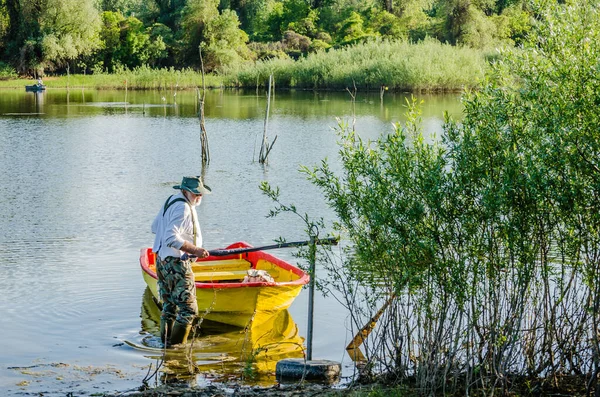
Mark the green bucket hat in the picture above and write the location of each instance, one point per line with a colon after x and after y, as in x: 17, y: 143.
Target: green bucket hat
x: 193, y: 184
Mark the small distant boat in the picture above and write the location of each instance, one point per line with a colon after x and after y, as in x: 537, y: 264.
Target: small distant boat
x: 35, y: 87
x: 226, y: 290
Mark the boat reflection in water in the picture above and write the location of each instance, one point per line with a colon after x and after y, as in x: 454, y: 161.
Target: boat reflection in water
x: 223, y: 352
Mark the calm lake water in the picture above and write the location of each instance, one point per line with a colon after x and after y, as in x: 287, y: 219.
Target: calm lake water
x: 83, y: 174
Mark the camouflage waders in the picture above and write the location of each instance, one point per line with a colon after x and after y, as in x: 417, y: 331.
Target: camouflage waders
x: 177, y: 290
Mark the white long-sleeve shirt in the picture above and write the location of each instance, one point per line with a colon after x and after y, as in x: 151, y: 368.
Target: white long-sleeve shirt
x: 175, y: 227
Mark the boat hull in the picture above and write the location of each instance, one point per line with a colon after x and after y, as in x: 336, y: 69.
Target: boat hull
x: 236, y: 302
x: 35, y: 88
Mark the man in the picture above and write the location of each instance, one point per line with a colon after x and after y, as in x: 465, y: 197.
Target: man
x: 177, y: 233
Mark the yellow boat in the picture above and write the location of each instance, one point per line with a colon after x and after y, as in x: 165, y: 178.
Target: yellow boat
x: 226, y: 291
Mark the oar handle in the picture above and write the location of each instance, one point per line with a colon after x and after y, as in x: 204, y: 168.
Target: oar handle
x: 241, y: 250
x: 233, y: 251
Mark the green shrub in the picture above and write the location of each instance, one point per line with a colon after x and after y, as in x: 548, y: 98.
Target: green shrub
x: 7, y: 72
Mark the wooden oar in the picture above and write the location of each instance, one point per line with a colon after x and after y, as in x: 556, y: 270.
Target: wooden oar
x: 353, y: 347
x: 233, y: 251
x: 223, y: 252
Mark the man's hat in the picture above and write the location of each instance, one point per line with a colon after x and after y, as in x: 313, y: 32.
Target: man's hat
x: 193, y: 184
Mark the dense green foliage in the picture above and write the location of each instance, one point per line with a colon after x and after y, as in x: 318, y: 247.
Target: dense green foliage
x: 489, y: 239
x: 87, y: 36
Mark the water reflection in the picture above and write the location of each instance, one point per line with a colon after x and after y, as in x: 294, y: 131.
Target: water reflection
x: 222, y: 352
x: 228, y: 104
x: 39, y: 101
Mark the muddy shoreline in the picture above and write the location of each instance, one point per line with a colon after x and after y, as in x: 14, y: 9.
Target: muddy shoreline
x: 235, y: 390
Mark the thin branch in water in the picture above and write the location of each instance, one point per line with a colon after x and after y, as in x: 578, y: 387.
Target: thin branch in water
x: 203, y: 134
x: 265, y: 148
x: 353, y: 97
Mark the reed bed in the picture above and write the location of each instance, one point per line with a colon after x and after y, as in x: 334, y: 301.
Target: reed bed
x: 401, y: 66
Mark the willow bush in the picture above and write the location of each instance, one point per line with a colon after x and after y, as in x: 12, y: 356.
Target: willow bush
x: 488, y: 239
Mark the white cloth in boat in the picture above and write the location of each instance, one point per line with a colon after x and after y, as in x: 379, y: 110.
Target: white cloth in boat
x: 175, y: 227
x: 258, y: 276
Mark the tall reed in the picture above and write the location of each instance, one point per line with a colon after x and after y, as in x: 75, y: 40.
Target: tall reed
x: 399, y: 65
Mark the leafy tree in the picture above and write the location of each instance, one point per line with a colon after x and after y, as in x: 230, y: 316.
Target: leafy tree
x: 226, y: 42
x: 68, y: 29
x: 479, y: 31
x: 196, y: 17
x: 32, y: 38
x: 271, y: 30
x: 48, y: 34
x: 306, y: 26
x: 251, y: 13
x: 388, y: 25
x: 501, y: 5
x: 456, y: 15
x: 288, y: 13
x: 4, y: 24
x: 223, y: 42
x: 161, y: 33
x: 170, y: 12
x: 126, y: 42
x: 517, y: 25
x: 332, y: 15
x: 110, y: 35
x: 474, y: 23
x: 125, y: 7
x: 12, y: 17
x: 352, y: 30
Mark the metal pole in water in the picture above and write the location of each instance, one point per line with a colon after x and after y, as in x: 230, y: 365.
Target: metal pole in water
x: 311, y: 293
x: 307, y: 369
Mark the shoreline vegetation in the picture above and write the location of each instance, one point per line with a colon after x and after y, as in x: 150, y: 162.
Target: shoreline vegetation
x: 427, y: 66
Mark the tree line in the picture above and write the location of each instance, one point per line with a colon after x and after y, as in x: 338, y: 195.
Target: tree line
x: 91, y: 36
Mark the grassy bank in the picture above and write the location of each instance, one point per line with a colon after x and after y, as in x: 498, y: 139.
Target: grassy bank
x: 400, y: 66
x: 143, y: 78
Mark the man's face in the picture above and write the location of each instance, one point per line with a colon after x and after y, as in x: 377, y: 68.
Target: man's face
x: 194, y: 199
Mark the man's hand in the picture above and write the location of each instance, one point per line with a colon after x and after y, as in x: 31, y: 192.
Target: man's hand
x: 201, y: 252
x: 193, y: 250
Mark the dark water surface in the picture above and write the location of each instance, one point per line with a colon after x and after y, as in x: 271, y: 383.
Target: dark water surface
x: 83, y: 173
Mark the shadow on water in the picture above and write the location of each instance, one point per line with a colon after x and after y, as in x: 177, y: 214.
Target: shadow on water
x: 218, y: 351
